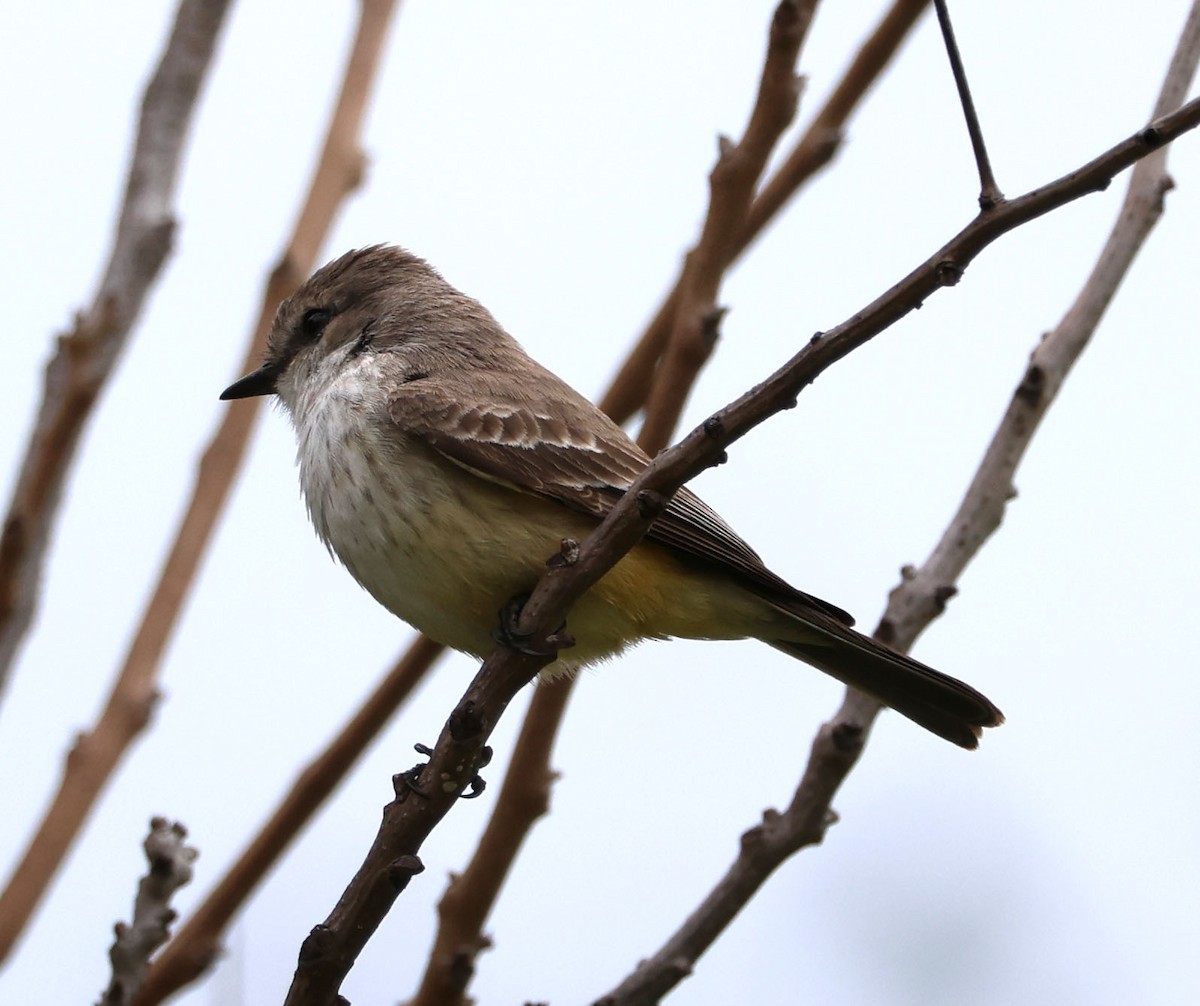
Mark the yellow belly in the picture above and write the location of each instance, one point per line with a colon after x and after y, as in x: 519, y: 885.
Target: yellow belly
x: 445, y: 550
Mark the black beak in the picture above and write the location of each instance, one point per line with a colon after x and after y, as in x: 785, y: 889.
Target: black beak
x: 259, y: 382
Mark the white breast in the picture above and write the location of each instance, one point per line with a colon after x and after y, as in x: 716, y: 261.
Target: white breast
x: 394, y: 513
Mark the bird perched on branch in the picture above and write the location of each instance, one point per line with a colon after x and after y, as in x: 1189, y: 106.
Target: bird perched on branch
x: 442, y: 465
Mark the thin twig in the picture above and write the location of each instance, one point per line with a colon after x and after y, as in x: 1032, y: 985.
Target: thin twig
x: 530, y: 764
x: 198, y: 943
x: 170, y: 868
x: 732, y: 183
x: 825, y: 134
x: 705, y: 446
x: 525, y: 794
x: 922, y: 594
x: 763, y: 848
x: 989, y: 191
x: 470, y: 895
x: 425, y: 794
x: 86, y: 355
x: 95, y: 754
x: 815, y: 148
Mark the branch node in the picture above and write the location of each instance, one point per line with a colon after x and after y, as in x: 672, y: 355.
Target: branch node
x: 942, y: 594
x: 560, y: 640
x: 847, y: 738
x: 754, y: 838
x: 566, y: 556
x: 462, y: 967
x: 1032, y: 386
x: 681, y: 967
x: 710, y: 325
x: 316, y: 943
x: 358, y: 163
x: 650, y: 504
x: 402, y: 869
x: 1151, y: 137
x: 948, y: 272
x: 465, y: 722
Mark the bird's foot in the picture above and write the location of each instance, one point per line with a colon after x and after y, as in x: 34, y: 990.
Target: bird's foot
x: 509, y: 634
x: 405, y: 783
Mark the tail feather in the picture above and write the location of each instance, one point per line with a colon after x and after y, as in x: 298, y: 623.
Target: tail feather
x: 936, y: 701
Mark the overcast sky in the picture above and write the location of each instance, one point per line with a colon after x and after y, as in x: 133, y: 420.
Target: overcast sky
x: 551, y: 160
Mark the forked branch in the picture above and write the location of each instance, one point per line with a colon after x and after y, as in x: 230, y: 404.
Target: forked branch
x: 96, y: 753
x: 427, y: 793
x: 922, y: 594
x: 85, y: 356
x: 989, y: 191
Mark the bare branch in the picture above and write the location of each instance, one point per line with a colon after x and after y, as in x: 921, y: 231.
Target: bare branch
x: 530, y: 764
x: 825, y: 134
x: 525, y: 795
x: 732, y: 183
x: 763, y: 848
x: 197, y: 944
x: 85, y: 356
x: 989, y: 191
x: 815, y: 148
x: 170, y: 868
x: 922, y: 595
x: 96, y: 753
x: 425, y: 794
x: 704, y: 447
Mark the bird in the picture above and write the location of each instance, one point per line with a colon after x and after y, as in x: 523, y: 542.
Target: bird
x: 442, y: 465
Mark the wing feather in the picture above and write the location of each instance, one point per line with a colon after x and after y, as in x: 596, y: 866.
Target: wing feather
x: 563, y: 448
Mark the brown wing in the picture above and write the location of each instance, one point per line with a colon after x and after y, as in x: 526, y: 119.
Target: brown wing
x: 563, y: 448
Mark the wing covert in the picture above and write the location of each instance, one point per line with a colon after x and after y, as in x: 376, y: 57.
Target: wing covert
x: 563, y: 448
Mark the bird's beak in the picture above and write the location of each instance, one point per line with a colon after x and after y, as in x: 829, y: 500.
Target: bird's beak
x: 258, y: 382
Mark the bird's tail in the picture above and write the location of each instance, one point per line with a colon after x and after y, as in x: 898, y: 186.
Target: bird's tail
x: 936, y: 701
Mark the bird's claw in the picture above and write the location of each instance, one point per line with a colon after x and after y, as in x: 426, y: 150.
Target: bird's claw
x: 407, y: 782
x: 507, y: 633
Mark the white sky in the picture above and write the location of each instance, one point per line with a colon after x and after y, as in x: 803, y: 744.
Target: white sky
x: 551, y: 160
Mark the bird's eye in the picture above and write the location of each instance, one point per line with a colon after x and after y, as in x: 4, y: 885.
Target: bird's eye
x: 314, y: 321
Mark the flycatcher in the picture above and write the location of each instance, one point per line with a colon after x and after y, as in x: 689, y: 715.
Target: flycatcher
x: 442, y: 466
